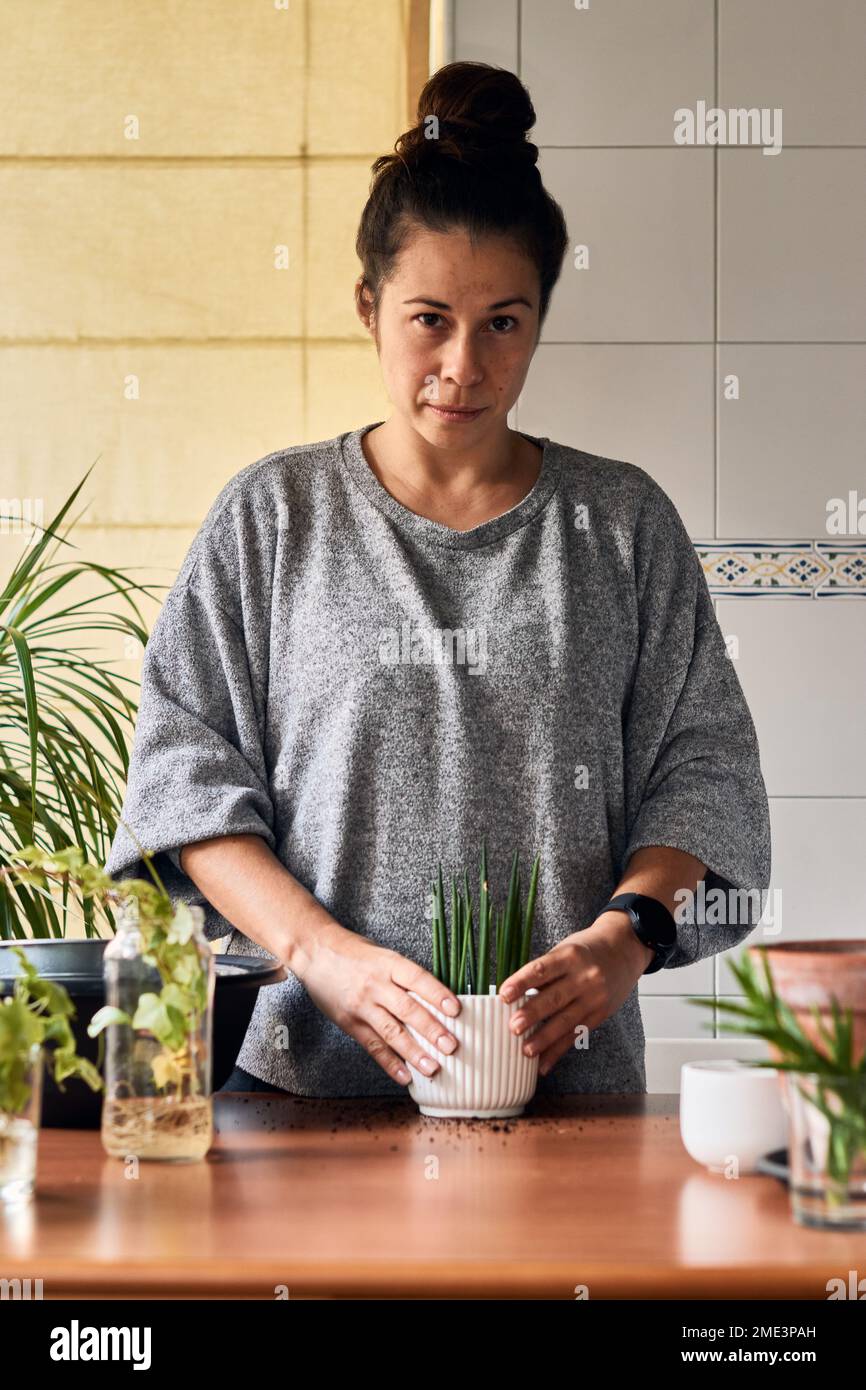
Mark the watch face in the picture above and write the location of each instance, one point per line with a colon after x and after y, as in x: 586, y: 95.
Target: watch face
x: 655, y: 920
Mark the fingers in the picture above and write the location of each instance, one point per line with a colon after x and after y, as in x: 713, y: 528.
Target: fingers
x: 373, y: 1017
x: 400, y: 1040
x: 571, y: 978
x: 553, y: 1054
x: 537, y: 973
x: 409, y: 975
x: 379, y: 1050
x: 383, y: 1036
x: 403, y: 1006
x: 548, y: 1001
x: 560, y: 1026
x: 391, y: 1045
x: 382, y: 1033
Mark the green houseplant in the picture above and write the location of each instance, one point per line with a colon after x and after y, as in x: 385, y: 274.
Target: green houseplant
x: 461, y: 966
x: 34, y: 1030
x: 67, y: 720
x: 489, y: 1075
x: 66, y: 716
x: 825, y: 1092
x: 159, y: 1064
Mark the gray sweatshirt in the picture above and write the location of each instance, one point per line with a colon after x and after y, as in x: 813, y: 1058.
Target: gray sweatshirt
x: 371, y: 691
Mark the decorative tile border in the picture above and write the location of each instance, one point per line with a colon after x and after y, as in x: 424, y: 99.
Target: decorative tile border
x: 770, y: 569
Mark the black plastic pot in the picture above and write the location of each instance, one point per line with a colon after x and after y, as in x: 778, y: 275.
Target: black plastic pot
x: 77, y: 965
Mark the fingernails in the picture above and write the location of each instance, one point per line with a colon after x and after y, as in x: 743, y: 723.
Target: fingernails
x: 507, y: 994
x: 402, y: 1074
x: 449, y: 1006
x: 427, y: 1065
x: 446, y: 1043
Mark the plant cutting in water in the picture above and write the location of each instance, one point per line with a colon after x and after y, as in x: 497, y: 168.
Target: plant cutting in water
x: 35, y: 1014
x: 506, y: 933
x: 841, y: 1076
x: 172, y: 1015
x: 37, y: 1011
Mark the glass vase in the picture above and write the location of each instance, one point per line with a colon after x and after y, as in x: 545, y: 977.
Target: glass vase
x: 827, y: 1150
x: 158, y: 1067
x: 19, y: 1126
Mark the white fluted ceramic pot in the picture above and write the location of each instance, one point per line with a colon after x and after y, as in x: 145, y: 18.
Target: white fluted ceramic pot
x: 488, y: 1076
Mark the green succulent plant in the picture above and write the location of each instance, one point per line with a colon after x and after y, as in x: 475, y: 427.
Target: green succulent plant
x: 507, y: 932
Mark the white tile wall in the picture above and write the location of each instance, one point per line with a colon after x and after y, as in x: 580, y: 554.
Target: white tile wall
x: 485, y: 31
x: 802, y: 666
x: 665, y: 1016
x: 792, y: 439
x: 697, y: 978
x: 805, y: 57
x: 817, y: 844
x: 646, y: 220
x: 616, y: 66
x: 666, y: 1056
x: 618, y: 400
x: 791, y: 236
x: 711, y: 267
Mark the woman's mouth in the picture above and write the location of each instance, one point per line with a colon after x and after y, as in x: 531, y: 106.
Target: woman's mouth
x: 445, y: 412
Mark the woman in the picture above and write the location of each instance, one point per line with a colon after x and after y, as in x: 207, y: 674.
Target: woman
x: 384, y: 645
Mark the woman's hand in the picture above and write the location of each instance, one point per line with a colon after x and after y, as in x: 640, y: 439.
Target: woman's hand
x: 364, y: 988
x: 583, y: 980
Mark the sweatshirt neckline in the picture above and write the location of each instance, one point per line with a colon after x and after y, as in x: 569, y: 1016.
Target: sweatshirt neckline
x: 435, y: 532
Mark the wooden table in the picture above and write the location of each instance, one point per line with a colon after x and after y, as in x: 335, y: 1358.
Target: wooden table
x: 357, y: 1198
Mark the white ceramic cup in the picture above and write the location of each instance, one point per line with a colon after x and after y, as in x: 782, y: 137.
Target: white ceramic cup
x: 731, y: 1114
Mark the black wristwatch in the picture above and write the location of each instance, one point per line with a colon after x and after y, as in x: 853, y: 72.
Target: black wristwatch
x: 653, y: 924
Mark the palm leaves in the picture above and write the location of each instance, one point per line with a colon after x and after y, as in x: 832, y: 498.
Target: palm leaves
x: 839, y: 1076
x: 64, y: 718
x: 767, y: 1016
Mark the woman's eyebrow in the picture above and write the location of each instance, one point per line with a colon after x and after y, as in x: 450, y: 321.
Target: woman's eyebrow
x: 500, y: 303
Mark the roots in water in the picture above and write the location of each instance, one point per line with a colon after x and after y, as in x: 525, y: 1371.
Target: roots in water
x: 153, y: 1127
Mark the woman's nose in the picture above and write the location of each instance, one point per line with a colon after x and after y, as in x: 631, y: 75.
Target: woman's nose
x: 462, y: 364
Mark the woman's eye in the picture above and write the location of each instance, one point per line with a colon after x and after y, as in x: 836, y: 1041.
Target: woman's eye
x: 500, y: 318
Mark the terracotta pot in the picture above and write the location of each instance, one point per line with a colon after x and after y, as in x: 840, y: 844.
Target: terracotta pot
x: 808, y: 973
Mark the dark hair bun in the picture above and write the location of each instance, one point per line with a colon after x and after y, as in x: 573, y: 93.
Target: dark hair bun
x: 466, y: 165
x: 473, y: 112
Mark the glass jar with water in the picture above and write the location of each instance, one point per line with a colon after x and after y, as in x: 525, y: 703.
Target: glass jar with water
x: 159, y: 989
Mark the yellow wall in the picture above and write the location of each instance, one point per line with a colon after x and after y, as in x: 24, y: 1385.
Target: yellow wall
x: 154, y: 158
x: 180, y: 186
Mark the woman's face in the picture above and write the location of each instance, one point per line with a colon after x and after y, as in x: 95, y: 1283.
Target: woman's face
x: 457, y: 326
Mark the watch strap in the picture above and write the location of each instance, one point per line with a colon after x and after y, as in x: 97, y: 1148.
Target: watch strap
x: 652, y: 922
